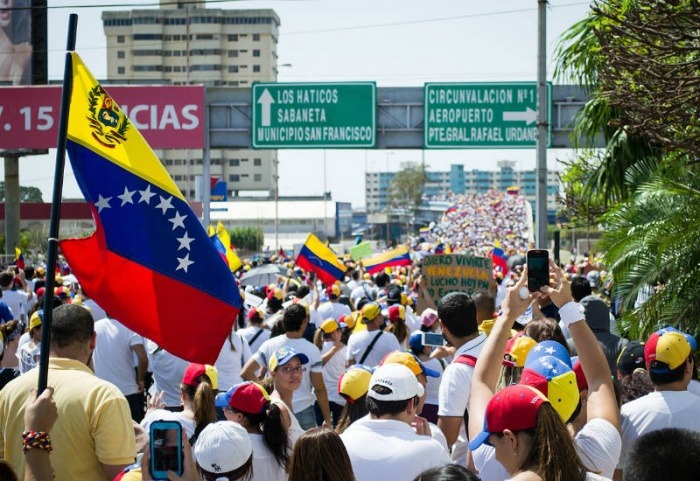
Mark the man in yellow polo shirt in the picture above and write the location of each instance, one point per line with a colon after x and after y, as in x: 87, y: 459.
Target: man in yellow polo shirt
x: 93, y: 438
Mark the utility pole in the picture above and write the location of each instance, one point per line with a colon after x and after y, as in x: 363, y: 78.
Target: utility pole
x: 542, y: 126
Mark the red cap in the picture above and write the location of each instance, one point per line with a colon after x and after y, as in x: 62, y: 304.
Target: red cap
x: 247, y: 397
x: 397, y: 312
x: 514, y: 408
x: 194, y: 371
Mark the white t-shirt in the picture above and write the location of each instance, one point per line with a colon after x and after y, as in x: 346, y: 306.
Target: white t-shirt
x: 265, y: 466
x: 360, y: 341
x: 332, y: 371
x: 95, y: 309
x: 334, y: 310
x: 294, y: 430
x: 657, y: 410
x: 249, y: 333
x: 432, y: 389
x: 167, y: 370
x: 17, y: 302
x: 230, y: 361
x: 597, y: 444
x: 28, y: 354
x: 303, y: 397
x: 382, y: 449
x: 113, y: 356
x: 455, y: 390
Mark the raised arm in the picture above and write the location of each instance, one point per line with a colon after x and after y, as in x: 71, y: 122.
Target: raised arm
x: 488, y: 366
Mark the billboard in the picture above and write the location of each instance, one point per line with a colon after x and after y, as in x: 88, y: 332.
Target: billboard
x: 16, y: 42
x: 169, y: 117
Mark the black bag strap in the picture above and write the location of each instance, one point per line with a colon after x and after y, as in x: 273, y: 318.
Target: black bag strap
x: 369, y: 348
x: 255, y: 337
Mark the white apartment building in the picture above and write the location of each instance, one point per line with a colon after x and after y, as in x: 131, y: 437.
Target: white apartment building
x: 186, y: 43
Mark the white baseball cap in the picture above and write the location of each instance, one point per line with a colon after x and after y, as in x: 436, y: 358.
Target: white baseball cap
x: 395, y: 382
x: 222, y: 447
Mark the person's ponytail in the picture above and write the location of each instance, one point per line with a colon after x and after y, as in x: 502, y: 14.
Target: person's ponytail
x: 275, y: 435
x: 204, y: 411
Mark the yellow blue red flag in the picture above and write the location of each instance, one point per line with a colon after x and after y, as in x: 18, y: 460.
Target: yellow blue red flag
x: 318, y: 257
x: 146, y: 236
x: 395, y: 257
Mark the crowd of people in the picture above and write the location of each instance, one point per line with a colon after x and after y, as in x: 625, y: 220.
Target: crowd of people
x: 351, y: 381
x: 474, y: 222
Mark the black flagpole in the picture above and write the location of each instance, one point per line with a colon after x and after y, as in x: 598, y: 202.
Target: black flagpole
x: 56, y: 203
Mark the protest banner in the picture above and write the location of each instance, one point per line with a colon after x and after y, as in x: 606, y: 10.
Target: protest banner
x: 445, y: 273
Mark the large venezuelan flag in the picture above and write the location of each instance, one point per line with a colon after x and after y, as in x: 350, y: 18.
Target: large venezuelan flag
x: 149, y: 262
x: 394, y: 257
x: 318, y: 257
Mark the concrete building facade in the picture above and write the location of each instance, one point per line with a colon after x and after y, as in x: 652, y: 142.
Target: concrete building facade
x: 461, y: 181
x: 186, y: 43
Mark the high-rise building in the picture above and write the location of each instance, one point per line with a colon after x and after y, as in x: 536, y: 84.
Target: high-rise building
x: 186, y: 43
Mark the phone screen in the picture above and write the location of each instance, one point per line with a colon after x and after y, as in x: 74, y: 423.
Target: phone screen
x: 537, y: 269
x: 166, y: 448
x: 433, y: 339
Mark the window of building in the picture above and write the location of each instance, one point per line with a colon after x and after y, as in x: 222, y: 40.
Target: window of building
x: 256, y: 53
x: 120, y: 38
x: 121, y: 70
x: 233, y: 68
x: 256, y: 37
x: 234, y: 178
x: 177, y: 177
x: 120, y: 54
x: 234, y: 162
x: 257, y: 162
x: 257, y: 177
x: 233, y: 37
x: 233, y: 53
x: 256, y: 68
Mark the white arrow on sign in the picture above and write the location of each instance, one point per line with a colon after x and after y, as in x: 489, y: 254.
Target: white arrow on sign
x: 528, y: 116
x: 266, y: 101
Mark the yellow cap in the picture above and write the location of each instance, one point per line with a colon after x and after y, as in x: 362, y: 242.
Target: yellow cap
x: 330, y: 325
x: 370, y: 311
x: 36, y: 319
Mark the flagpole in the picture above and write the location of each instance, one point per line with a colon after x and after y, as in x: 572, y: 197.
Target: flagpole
x: 56, y: 203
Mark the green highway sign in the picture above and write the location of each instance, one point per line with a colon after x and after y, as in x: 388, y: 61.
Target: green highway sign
x: 483, y: 115
x: 314, y: 115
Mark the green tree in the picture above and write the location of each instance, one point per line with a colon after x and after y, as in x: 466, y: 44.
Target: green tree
x: 642, y: 63
x: 26, y: 194
x: 247, y: 238
x: 406, y: 188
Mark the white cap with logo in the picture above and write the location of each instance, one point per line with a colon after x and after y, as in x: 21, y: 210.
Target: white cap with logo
x: 394, y: 382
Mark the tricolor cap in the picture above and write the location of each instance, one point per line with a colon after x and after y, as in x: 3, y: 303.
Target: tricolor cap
x: 514, y: 408
x: 396, y: 312
x: 248, y: 397
x: 666, y: 351
x: 354, y: 382
x: 581, y: 380
x: 256, y: 313
x: 331, y: 325
x: 631, y: 358
x: 410, y: 361
x: 370, y: 312
x: 556, y: 381
x: 333, y: 290
x: 518, y: 347
x: 549, y: 348
x: 351, y: 319
x: 285, y: 354
x: 36, y: 319
x: 691, y: 340
x: 394, y: 382
x: 194, y: 371
x: 222, y: 447
x: 275, y: 293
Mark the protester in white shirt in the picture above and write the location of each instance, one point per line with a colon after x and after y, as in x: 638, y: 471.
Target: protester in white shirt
x: 386, y: 446
x: 370, y: 346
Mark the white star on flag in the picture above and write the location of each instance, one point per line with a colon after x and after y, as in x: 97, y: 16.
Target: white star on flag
x: 185, y: 241
x: 146, y: 195
x: 102, y: 203
x: 165, y: 204
x: 184, y: 263
x: 178, y: 220
x: 126, y: 197
x: 549, y: 350
x: 537, y: 348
